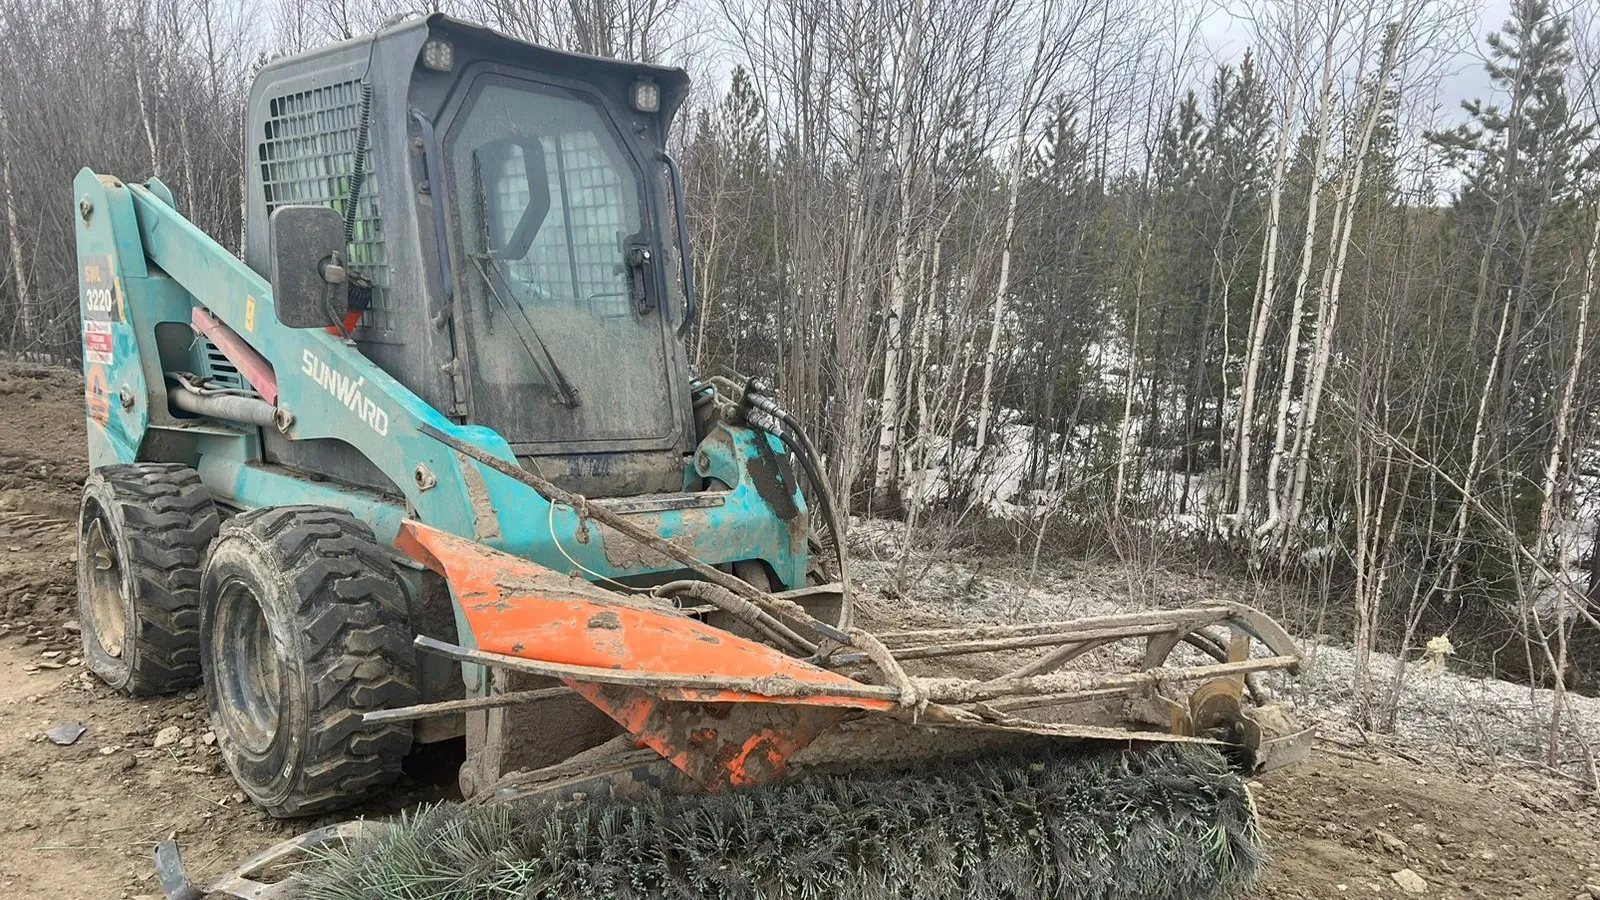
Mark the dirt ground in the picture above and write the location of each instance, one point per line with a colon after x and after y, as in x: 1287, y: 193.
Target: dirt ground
x: 80, y: 821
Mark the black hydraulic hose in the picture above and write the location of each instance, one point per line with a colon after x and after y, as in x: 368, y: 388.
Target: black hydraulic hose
x: 229, y: 407
x: 620, y: 523
x: 808, y: 460
x: 794, y: 437
x: 739, y: 608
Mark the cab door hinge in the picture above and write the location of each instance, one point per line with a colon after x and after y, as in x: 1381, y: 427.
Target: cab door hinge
x: 458, y: 388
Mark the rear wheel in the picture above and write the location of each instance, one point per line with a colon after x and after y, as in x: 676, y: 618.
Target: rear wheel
x: 143, y: 531
x: 304, y: 628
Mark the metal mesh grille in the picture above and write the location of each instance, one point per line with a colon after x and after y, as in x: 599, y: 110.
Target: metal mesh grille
x: 216, y: 368
x: 307, y: 155
x: 579, y: 249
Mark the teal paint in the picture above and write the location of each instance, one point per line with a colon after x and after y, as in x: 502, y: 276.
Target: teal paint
x: 160, y: 266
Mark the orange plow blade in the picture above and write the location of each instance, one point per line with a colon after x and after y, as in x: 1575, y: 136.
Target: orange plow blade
x: 682, y: 687
x: 729, y: 712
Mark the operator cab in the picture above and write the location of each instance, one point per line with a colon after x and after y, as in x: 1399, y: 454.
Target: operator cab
x: 511, y: 209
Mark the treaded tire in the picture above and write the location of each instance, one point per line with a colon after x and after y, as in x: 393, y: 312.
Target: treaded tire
x: 143, y: 532
x: 304, y: 627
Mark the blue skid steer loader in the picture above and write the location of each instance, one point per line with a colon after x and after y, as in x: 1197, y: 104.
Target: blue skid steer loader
x: 429, y: 463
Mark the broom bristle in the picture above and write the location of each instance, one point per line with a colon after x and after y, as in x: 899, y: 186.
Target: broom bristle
x: 1166, y: 823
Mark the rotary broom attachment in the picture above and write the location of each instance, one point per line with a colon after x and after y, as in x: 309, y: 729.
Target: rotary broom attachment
x: 1166, y: 823
x: 809, y: 761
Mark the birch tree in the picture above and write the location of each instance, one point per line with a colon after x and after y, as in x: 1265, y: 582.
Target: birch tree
x: 1324, y: 114
x: 1059, y: 23
x: 1266, y: 285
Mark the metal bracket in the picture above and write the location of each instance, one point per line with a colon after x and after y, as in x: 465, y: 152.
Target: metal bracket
x: 238, y: 881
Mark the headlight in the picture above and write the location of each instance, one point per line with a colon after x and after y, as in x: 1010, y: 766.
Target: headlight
x: 646, y: 96
x: 438, y: 55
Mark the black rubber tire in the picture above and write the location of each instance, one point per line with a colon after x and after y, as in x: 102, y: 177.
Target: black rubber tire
x: 143, y: 533
x: 304, y: 626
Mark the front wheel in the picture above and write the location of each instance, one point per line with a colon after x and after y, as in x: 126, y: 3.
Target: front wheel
x: 143, y: 531
x: 304, y: 628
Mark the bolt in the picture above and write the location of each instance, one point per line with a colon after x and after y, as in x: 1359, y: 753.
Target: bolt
x: 425, y: 478
x: 85, y: 209
x: 283, y: 418
x: 126, y: 396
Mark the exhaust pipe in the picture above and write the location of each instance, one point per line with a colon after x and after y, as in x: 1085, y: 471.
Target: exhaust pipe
x: 233, y: 408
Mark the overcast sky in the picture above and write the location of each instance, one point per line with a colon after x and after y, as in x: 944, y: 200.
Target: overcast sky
x: 1462, y: 74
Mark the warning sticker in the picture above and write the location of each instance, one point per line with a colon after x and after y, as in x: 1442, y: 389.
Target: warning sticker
x: 98, y: 394
x: 97, y: 343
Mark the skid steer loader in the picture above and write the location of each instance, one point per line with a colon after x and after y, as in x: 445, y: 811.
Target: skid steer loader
x: 429, y: 462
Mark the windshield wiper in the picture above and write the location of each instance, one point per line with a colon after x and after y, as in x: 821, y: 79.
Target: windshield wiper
x: 542, y: 359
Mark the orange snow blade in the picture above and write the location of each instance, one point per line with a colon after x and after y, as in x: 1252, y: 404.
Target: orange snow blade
x: 684, y: 688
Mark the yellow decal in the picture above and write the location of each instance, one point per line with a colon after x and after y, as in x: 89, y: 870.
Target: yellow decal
x: 91, y: 272
x: 122, y: 308
x: 249, y: 313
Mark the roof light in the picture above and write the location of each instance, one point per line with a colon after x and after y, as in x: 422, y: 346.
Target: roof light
x: 646, y: 97
x: 438, y: 55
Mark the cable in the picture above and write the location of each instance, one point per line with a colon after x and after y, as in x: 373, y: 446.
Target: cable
x: 580, y: 566
x: 358, y: 157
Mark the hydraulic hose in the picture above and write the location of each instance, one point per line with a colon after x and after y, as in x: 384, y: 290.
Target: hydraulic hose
x: 739, y: 608
x: 788, y: 430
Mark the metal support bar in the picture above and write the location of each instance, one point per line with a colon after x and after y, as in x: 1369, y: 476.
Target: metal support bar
x: 1027, y: 641
x: 761, y: 688
x: 1170, y: 619
x: 1011, y: 704
x: 252, y: 365
x: 442, y: 707
x: 1057, y: 658
x: 960, y: 690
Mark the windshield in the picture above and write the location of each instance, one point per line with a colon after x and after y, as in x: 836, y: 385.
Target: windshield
x: 565, y: 341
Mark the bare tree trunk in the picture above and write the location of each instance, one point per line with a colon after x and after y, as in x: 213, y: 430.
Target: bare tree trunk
x: 1469, y: 482
x: 885, y: 470
x: 1549, y: 502
x: 1328, y: 314
x: 1044, y: 56
x: 1371, y: 575
x: 1552, y: 469
x: 1125, y: 430
x: 1291, y: 351
x: 146, y: 118
x: 1261, y: 315
x: 997, y: 320
x: 29, y: 319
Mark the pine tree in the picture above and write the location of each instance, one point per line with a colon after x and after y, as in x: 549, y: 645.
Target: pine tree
x: 1524, y: 165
